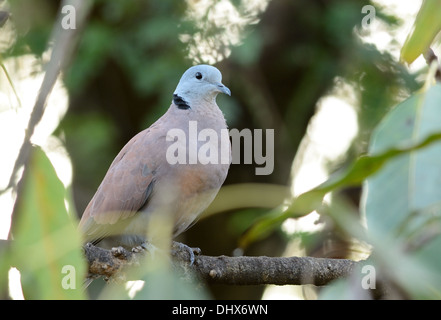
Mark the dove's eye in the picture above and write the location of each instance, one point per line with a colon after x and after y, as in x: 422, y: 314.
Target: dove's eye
x: 198, y: 75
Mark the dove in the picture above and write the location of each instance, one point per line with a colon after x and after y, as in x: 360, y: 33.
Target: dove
x: 141, y: 182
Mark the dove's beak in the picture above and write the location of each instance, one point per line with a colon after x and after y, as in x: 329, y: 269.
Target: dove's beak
x: 222, y: 88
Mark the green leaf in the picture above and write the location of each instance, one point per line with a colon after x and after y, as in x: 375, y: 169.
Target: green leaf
x: 47, y: 246
x: 427, y: 25
x: 402, y: 200
x: 366, y: 165
x: 158, y: 280
x: 408, y: 184
x: 5, y: 265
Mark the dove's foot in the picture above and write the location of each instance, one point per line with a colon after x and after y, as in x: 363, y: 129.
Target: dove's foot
x: 178, y: 246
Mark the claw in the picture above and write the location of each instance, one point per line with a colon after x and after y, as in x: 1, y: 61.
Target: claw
x: 181, y: 247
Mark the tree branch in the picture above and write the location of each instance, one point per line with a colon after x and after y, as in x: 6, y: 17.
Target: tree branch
x: 229, y: 270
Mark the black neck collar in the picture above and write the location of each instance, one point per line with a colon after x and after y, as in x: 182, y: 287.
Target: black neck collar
x: 180, y: 103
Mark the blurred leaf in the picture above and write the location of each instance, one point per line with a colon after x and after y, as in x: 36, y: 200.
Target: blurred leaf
x: 402, y: 201
x: 33, y: 21
x: 408, y: 183
x: 426, y: 285
x: 160, y: 285
x: 157, y: 281
x: 427, y: 25
x: 396, y: 265
x: 167, y: 285
x: 364, y: 167
x: 337, y: 290
x: 349, y: 288
x: 5, y: 265
x: 247, y: 195
x: 381, y: 83
x: 164, y: 283
x: 47, y: 247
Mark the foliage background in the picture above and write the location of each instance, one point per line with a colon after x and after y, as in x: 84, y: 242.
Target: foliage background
x: 280, y: 59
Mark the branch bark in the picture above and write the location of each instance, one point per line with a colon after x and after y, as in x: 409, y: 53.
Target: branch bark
x: 229, y: 270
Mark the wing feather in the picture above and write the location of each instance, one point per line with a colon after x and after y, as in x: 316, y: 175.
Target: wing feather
x: 125, y: 188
